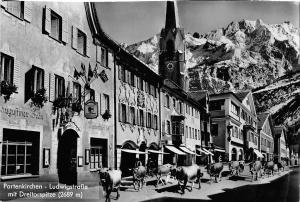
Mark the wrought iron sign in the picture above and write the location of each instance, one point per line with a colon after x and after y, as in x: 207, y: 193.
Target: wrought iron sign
x: 91, y: 109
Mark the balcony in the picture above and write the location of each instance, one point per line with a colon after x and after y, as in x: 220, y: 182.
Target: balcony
x: 217, y: 113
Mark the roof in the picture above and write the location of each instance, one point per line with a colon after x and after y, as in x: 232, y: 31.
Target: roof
x: 242, y: 95
x: 198, y: 95
x: 262, y: 119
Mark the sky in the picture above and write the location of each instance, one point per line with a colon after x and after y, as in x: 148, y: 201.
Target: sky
x: 130, y: 22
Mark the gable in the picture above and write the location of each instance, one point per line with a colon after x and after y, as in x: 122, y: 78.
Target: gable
x: 248, y: 102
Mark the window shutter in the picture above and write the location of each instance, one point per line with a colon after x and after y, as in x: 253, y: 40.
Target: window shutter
x: 29, y: 84
x: 51, y: 87
x: 98, y: 54
x: 163, y: 127
x: 126, y: 75
x: 47, y: 20
x: 120, y: 112
x: 153, y: 121
x: 102, y: 103
x: 16, y: 75
x: 137, y: 117
x: 88, y: 48
x: 46, y: 83
x: 127, y: 114
x: 65, y: 33
x: 74, y: 37
x: 27, y: 10
x: 119, y: 72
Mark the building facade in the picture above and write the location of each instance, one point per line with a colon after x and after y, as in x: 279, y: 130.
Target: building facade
x: 266, y: 134
x: 48, y: 52
x: 234, y: 126
x: 281, y: 150
x: 180, y: 114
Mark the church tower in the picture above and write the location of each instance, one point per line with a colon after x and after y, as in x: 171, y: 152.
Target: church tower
x: 172, y: 48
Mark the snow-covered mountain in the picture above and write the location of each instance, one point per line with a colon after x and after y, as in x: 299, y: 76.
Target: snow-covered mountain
x: 244, y: 55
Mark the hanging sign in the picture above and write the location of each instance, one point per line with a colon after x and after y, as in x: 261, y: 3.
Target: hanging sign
x: 91, y: 109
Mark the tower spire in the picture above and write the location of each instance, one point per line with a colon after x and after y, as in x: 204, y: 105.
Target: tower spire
x: 172, y: 19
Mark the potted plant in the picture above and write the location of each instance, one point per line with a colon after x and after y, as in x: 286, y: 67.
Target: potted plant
x: 106, y: 115
x: 7, y: 89
x: 59, y: 102
x: 39, y: 98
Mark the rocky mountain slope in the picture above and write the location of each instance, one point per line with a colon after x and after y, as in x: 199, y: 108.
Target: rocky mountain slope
x: 244, y: 55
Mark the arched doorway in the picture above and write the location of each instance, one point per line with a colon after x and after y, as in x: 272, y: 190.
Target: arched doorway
x: 153, y: 157
x: 142, y: 157
x: 67, y: 157
x: 233, y: 154
x: 128, y: 158
x: 241, y: 155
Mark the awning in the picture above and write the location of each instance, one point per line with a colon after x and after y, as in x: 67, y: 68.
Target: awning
x: 220, y: 150
x: 200, y: 150
x: 258, y: 153
x: 132, y: 151
x: 175, y: 150
x: 186, y: 150
x: 208, y: 152
x: 156, y: 152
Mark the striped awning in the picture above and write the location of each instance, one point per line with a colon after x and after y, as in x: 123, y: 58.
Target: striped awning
x: 186, y: 150
x: 132, y: 151
x: 209, y: 153
x: 201, y: 150
x: 175, y: 150
x: 220, y: 150
x: 156, y: 152
x: 258, y: 154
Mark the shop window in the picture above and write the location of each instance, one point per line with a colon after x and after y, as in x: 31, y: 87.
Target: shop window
x: 214, y: 129
x: 16, y: 8
x: 98, y: 153
x: 76, y: 92
x: 149, y: 120
x: 106, y: 102
x: 7, y: 68
x: 59, y: 86
x: 95, y: 158
x: 34, y: 81
x: 81, y: 42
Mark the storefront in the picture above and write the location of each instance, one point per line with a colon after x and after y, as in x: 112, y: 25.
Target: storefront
x: 175, y: 156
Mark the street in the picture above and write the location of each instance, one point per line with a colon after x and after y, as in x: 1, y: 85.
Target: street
x: 277, y: 188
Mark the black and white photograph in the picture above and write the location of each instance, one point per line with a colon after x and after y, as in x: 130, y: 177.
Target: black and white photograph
x: 150, y: 101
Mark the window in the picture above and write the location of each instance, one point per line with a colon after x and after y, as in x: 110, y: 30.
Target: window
x: 186, y: 131
x: 106, y: 102
x: 149, y: 120
x: 7, y: 68
x: 192, y: 111
x: 186, y: 108
x: 155, y: 122
x: 16, y: 8
x: 142, y: 123
x: 123, y: 113
x: 34, y: 80
x: 146, y: 87
x: 190, y: 132
x: 95, y: 158
x: 111, y: 61
x: 168, y: 127
x: 174, y: 103
x: 132, y: 115
x: 59, y: 86
x: 122, y: 73
x: 102, y: 56
x: 131, y: 80
x: 81, y: 42
x: 196, y: 134
x: 56, y: 26
x: 234, y: 108
x: 167, y: 101
x: 76, y: 92
x: 216, y: 105
x: 180, y: 108
x: 214, y: 129
x: 140, y: 83
x: 199, y: 137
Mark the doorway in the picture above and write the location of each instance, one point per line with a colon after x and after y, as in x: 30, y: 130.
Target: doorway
x: 67, y: 157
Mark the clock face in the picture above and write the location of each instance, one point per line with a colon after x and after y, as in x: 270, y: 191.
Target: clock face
x: 170, y: 66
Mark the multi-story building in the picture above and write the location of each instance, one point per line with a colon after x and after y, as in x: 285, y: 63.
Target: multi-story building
x: 266, y: 134
x: 180, y: 114
x: 281, y: 150
x: 234, y: 126
x: 48, y: 51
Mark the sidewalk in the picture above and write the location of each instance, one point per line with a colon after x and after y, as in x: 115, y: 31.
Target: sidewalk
x: 95, y: 193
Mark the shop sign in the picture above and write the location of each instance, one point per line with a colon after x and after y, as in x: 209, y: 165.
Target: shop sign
x: 16, y: 112
x: 91, y: 109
